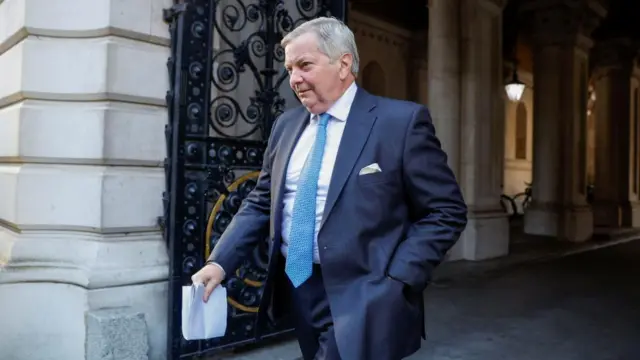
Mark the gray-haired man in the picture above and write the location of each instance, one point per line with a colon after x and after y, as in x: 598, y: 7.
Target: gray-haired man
x: 358, y: 203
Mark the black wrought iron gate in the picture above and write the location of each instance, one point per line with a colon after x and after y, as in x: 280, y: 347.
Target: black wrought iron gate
x: 227, y: 86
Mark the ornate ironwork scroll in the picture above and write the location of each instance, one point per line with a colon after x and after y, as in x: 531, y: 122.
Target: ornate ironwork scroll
x: 228, y: 86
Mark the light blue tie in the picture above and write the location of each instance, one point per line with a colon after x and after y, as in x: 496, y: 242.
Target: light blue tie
x: 303, y: 222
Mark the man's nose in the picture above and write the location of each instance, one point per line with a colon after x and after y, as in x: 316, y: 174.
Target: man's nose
x: 295, y: 79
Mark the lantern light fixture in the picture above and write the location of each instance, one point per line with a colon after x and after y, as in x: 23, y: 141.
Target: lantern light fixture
x: 514, y: 88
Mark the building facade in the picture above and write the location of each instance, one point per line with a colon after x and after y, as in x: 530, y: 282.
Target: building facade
x: 83, y: 265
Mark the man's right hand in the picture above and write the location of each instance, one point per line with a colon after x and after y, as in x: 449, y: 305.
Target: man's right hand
x: 211, y: 275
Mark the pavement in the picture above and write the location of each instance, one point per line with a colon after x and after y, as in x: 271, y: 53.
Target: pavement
x: 582, y: 307
x: 564, y: 302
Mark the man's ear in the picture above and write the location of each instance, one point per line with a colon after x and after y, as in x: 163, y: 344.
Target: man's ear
x: 346, y: 61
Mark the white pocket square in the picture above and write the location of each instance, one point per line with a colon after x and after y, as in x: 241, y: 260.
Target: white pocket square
x: 370, y: 169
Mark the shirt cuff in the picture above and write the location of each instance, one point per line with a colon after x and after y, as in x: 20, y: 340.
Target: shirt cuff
x: 224, y: 274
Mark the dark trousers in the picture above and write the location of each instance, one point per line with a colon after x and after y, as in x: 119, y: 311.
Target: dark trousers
x: 313, y: 322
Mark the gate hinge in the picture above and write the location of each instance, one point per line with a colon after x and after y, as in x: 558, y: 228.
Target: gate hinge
x: 171, y: 13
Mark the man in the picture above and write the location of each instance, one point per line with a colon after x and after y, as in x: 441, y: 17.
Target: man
x: 358, y: 205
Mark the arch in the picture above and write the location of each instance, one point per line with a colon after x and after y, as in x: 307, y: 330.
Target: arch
x: 373, y: 79
x: 521, y: 131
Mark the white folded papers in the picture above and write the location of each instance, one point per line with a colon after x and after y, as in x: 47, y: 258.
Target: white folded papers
x: 202, y: 320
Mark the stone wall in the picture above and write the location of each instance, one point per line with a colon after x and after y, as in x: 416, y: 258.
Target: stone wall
x: 384, y: 47
x: 81, y: 144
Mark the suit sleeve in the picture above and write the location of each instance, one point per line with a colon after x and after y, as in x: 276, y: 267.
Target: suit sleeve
x: 436, y: 205
x: 250, y: 225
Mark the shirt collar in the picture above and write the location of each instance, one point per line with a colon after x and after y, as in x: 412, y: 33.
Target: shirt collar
x: 340, y: 109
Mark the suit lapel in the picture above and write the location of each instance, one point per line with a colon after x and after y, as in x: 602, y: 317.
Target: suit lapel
x: 356, y: 132
x: 288, y: 141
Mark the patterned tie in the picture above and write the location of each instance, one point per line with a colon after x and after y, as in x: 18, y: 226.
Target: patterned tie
x: 299, y: 263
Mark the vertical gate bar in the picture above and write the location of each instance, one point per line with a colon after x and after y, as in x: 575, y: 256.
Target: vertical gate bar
x: 175, y: 25
x: 269, y: 72
x: 188, y: 113
x: 339, y: 9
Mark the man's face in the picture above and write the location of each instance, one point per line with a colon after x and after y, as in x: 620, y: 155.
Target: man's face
x: 317, y: 82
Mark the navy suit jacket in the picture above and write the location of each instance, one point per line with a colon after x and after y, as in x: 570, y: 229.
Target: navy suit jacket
x: 382, y: 234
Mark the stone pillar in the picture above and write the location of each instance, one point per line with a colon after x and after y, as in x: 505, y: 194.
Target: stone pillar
x: 482, y: 130
x: 466, y: 98
x: 561, y: 33
x: 82, y: 116
x: 616, y: 181
x: 444, y: 75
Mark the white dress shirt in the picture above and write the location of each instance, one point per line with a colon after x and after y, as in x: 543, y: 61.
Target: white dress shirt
x: 335, y: 127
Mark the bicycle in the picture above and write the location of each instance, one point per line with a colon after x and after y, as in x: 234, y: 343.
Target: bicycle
x: 527, y: 194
